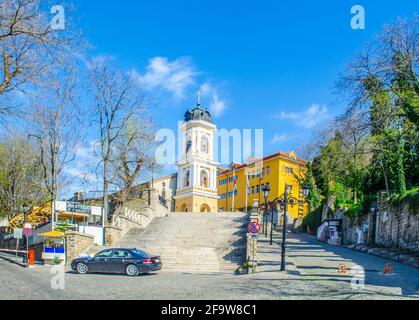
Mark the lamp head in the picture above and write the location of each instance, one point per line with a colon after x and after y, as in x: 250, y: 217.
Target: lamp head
x: 266, y: 190
x: 306, y: 190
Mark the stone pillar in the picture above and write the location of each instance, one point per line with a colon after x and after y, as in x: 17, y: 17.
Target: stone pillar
x: 112, y: 235
x: 76, y: 243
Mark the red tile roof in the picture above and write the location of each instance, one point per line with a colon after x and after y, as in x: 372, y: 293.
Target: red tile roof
x: 272, y: 156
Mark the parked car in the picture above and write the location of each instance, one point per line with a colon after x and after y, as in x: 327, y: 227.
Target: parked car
x: 131, y: 262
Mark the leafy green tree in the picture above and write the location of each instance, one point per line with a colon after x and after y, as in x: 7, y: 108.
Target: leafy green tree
x: 313, y: 198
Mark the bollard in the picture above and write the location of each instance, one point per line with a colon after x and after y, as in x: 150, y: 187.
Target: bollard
x: 31, y: 257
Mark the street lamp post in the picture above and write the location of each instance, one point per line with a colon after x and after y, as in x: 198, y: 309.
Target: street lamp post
x: 272, y: 226
x: 284, y: 229
x: 85, y: 194
x: 266, y: 190
x: 285, y: 200
x: 25, y: 217
x: 265, y: 219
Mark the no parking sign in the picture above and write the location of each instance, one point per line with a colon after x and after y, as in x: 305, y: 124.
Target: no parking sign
x: 27, y: 229
x: 254, y: 228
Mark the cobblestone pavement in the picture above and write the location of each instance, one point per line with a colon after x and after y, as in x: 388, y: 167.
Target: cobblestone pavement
x: 317, y: 263
x: 312, y: 274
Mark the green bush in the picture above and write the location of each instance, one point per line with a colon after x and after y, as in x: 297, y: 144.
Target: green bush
x: 313, y: 220
x: 410, y: 196
x: 63, y: 227
x: 354, y: 210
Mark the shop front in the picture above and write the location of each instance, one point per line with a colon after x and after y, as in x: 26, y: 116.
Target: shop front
x: 54, y: 248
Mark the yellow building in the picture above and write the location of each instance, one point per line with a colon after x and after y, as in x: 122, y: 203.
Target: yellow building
x: 276, y: 170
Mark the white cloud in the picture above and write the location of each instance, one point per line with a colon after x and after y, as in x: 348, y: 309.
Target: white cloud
x: 279, y: 138
x: 86, y: 176
x: 309, y: 118
x: 174, y: 76
x: 216, y: 104
x: 88, y: 152
x: 83, y: 169
x: 178, y: 77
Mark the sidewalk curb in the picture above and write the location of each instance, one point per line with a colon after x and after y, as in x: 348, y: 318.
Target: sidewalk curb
x: 21, y: 264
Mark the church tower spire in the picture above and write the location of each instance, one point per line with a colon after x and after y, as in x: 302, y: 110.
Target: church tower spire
x: 197, y: 170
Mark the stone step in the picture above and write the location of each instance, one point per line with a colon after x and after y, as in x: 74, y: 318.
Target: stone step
x: 194, y: 242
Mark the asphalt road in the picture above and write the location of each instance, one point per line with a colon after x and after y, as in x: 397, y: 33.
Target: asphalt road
x: 312, y: 275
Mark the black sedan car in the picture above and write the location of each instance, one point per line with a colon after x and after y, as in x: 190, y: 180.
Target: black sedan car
x: 131, y: 262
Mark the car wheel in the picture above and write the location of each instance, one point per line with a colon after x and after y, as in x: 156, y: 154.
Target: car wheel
x: 82, y: 268
x: 132, y: 270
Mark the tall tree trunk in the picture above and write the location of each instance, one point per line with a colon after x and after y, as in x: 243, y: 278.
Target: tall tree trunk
x: 384, y: 175
x: 105, y: 193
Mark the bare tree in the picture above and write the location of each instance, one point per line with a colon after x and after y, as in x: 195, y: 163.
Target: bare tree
x: 393, y: 53
x: 117, y: 105
x: 29, y: 48
x: 54, y: 124
x: 133, y: 153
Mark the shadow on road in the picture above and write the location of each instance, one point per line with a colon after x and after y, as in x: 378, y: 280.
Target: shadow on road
x: 406, y: 278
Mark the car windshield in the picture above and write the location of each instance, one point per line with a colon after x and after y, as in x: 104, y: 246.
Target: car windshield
x: 105, y: 253
x: 142, y: 253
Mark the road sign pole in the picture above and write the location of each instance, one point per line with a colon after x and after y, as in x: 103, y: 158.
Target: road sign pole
x: 254, y: 253
x: 27, y: 249
x: 254, y: 230
x: 27, y: 232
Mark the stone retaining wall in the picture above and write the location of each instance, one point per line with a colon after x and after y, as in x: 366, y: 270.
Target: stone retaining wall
x: 391, y: 226
x: 358, y: 230
x: 398, y: 226
x: 77, y: 243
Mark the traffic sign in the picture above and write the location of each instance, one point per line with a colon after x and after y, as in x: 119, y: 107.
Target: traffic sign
x: 343, y: 268
x: 27, y: 229
x: 27, y: 232
x: 27, y: 225
x: 17, y: 233
x: 388, y: 269
x: 254, y: 228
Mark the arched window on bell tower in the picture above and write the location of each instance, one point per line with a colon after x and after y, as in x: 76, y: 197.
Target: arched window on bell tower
x: 204, y: 178
x: 204, y: 144
x: 188, y: 144
x: 187, y: 180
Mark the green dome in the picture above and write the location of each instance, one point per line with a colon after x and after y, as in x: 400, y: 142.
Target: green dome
x: 198, y: 114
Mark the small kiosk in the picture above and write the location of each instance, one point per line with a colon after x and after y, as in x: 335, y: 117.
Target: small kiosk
x: 54, y: 247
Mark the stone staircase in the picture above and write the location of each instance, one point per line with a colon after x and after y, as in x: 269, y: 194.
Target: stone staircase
x: 193, y: 242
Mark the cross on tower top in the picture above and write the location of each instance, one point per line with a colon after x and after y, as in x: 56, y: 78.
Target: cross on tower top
x: 198, y: 94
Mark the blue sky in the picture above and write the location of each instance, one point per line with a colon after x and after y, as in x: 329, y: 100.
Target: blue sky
x: 262, y: 64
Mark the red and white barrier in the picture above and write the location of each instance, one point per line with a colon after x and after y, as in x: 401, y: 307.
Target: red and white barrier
x: 13, y: 251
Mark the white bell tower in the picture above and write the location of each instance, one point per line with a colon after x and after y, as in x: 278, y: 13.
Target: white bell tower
x: 197, y: 170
